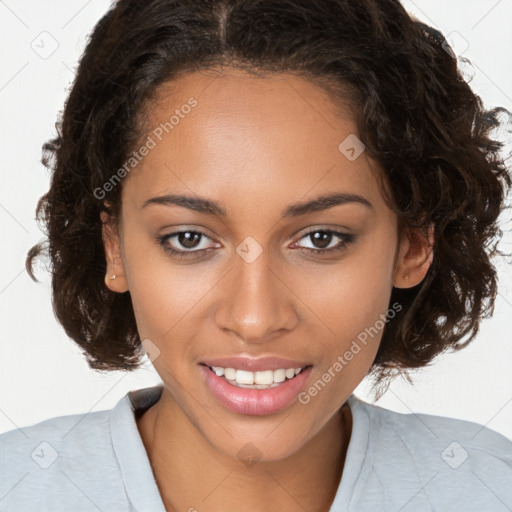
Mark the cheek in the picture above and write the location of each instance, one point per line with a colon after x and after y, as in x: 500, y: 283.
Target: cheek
x: 167, y: 297
x: 156, y: 300
x: 162, y: 302
x: 351, y: 295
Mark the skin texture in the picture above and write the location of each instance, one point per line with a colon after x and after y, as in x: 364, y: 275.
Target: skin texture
x: 256, y: 146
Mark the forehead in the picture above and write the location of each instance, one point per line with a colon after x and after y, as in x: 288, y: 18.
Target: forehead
x: 265, y: 140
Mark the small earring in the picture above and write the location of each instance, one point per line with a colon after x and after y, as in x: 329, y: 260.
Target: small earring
x: 113, y: 277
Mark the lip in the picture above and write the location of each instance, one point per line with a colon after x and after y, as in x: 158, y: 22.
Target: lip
x: 256, y: 365
x: 256, y: 402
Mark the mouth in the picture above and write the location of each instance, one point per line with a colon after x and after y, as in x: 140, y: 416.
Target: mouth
x: 264, y: 379
x: 255, y: 393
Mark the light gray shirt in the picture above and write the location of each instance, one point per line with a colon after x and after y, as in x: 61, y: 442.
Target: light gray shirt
x: 395, y: 462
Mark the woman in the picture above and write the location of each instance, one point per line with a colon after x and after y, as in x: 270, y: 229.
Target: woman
x: 272, y: 200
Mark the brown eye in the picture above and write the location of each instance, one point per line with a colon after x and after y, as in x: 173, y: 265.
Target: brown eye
x: 185, y: 243
x: 323, y: 238
x: 188, y: 239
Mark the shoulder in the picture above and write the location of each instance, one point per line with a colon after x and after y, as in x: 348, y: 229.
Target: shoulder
x: 448, y: 462
x: 79, y: 433
x: 66, y: 460
x: 415, y: 428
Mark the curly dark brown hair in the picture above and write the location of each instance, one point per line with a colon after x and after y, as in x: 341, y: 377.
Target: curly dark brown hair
x: 415, y: 113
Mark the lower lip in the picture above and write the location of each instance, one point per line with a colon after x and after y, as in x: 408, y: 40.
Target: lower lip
x: 256, y: 402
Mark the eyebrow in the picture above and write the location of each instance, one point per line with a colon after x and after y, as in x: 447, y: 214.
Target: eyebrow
x: 203, y: 205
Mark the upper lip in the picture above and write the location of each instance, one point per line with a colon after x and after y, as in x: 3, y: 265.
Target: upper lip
x: 255, y: 365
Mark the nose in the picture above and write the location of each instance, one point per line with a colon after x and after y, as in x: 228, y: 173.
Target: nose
x: 256, y: 302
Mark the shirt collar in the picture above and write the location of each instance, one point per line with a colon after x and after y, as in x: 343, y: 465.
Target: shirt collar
x: 137, y: 474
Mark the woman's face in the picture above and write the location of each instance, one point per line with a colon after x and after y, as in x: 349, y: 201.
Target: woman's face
x: 252, y: 286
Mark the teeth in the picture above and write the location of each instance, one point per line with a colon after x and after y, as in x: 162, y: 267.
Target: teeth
x: 243, y: 377
x: 290, y: 373
x: 265, y: 378
x: 218, y: 371
x: 230, y: 373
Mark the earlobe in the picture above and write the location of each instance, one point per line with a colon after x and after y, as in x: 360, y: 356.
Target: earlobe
x: 415, y: 257
x: 115, y: 278
x: 116, y: 283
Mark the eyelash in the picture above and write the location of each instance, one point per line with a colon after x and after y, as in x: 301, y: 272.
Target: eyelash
x: 345, y: 237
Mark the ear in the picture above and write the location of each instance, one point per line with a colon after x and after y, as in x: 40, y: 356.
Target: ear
x: 112, y: 246
x: 414, y: 257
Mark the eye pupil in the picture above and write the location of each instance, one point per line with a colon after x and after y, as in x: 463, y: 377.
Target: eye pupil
x: 323, y: 237
x: 185, y: 237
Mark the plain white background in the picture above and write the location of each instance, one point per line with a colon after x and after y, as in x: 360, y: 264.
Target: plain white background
x: 43, y: 373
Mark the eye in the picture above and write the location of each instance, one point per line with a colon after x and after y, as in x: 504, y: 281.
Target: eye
x: 187, y: 239
x: 324, y: 237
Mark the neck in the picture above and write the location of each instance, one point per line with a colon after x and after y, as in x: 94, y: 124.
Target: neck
x: 192, y: 475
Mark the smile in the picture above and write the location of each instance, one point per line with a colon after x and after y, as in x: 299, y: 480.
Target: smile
x: 255, y: 393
